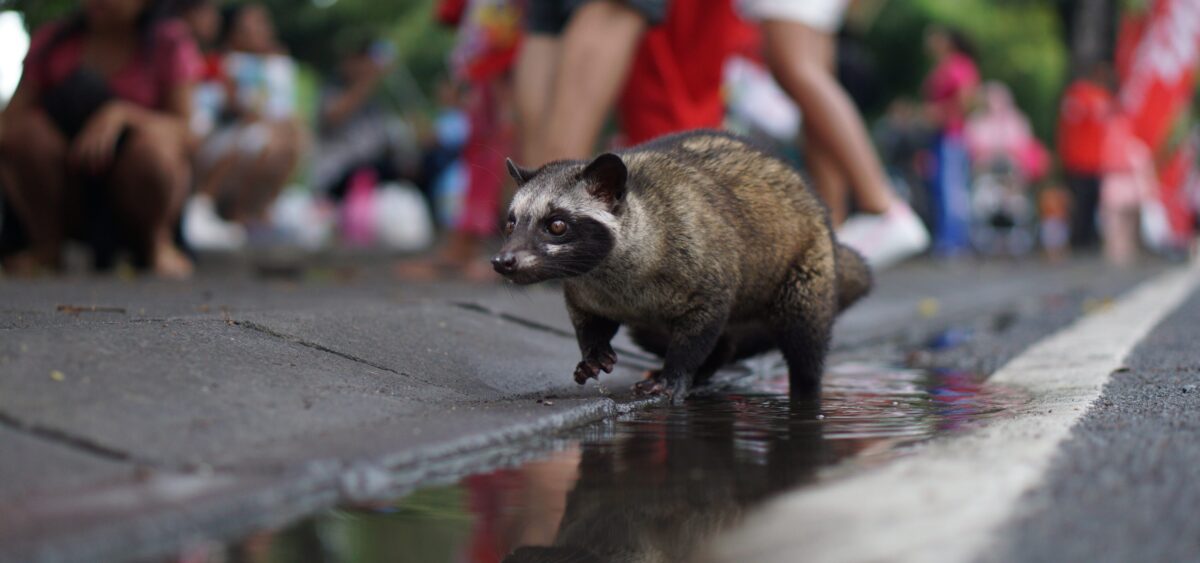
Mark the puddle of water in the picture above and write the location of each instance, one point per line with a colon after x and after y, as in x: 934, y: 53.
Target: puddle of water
x: 652, y: 485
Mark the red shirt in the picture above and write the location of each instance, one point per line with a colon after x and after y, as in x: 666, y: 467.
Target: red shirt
x: 144, y: 80
x: 1082, y: 121
x: 675, y: 82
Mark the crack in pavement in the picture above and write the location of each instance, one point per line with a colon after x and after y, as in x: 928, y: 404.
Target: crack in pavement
x: 262, y: 329
x: 534, y: 325
x: 69, y: 440
x: 251, y: 325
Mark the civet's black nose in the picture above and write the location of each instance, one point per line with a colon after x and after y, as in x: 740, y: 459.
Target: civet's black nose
x: 505, y: 262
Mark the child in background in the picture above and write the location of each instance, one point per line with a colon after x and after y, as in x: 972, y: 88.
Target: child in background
x: 1054, y: 208
x: 1128, y: 180
x: 246, y: 160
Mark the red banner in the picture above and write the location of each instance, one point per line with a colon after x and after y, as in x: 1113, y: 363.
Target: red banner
x: 1157, y: 60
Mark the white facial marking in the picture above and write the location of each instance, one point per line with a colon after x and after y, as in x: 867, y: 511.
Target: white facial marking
x: 526, y: 260
x: 536, y: 206
x: 531, y: 204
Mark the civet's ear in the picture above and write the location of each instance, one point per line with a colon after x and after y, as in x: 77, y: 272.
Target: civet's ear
x: 521, y: 175
x: 605, y: 178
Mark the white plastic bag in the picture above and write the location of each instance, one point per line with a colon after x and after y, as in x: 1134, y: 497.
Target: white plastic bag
x: 304, y: 219
x: 402, y: 219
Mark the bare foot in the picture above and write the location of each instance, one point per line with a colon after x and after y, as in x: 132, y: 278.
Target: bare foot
x: 170, y: 263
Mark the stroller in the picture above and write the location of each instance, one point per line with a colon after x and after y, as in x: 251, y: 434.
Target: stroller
x: 1003, y: 221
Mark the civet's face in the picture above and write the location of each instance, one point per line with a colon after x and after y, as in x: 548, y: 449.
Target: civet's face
x: 562, y: 220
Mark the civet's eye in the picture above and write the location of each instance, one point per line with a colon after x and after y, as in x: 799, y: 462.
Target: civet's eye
x: 556, y: 227
x: 508, y: 227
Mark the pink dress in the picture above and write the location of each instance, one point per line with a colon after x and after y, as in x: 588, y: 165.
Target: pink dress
x: 1129, y: 177
x: 145, y: 79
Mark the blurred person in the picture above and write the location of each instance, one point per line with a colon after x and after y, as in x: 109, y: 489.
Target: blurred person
x: 203, y: 227
x: 1054, y: 213
x: 800, y: 45
x: 659, y: 62
x: 1129, y: 179
x: 442, y: 142
x: 356, y: 130
x: 203, y: 18
x: 1006, y: 158
x: 1086, y: 107
x: 950, y: 90
x: 95, y: 139
x: 250, y: 154
x: 489, y: 34
x: 999, y: 132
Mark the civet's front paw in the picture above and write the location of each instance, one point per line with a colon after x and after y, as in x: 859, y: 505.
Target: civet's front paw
x: 596, y: 362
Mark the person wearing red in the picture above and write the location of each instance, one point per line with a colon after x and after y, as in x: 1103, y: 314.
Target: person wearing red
x: 489, y: 34
x: 674, y: 83
x: 658, y: 62
x: 950, y: 90
x: 1087, y: 106
x: 95, y: 139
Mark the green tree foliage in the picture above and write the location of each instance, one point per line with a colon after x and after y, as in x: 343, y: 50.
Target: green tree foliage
x: 37, y: 12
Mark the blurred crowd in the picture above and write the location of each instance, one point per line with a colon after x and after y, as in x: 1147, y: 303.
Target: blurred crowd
x: 156, y: 129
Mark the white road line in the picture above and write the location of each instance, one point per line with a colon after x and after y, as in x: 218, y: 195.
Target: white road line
x: 946, y: 502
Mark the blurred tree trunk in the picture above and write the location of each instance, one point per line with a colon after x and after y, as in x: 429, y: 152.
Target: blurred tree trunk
x: 1091, y: 32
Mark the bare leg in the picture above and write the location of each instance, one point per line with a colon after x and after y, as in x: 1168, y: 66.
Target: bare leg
x: 149, y: 182
x: 213, y: 180
x: 266, y: 173
x: 32, y: 164
x: 533, y: 78
x: 801, y: 59
x: 597, y: 51
x: 829, y: 181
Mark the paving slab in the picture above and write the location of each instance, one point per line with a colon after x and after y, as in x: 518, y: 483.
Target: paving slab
x: 186, y: 393
x: 480, y: 356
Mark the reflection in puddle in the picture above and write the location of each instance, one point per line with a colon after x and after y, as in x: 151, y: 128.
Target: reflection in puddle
x: 653, y: 484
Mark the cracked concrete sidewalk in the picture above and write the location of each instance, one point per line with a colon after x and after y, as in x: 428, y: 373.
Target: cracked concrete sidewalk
x: 136, y: 416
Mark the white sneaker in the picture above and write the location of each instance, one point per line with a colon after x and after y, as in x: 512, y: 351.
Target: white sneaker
x: 205, y: 230
x: 887, y: 238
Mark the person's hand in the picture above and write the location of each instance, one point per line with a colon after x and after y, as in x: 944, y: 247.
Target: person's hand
x: 95, y: 147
